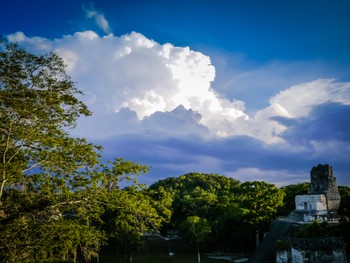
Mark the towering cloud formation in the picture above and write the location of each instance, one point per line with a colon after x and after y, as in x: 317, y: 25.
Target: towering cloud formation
x: 133, y: 83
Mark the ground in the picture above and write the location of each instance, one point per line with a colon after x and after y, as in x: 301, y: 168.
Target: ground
x: 161, y: 258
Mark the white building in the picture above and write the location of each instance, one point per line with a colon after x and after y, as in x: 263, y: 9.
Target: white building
x: 311, y: 203
x: 322, y: 202
x: 311, y: 207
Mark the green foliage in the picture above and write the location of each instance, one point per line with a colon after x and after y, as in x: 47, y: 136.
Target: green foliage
x: 281, y: 245
x: 120, y: 170
x: 54, y: 193
x: 259, y: 203
x: 198, y: 194
x: 196, y: 228
x: 206, y: 196
x: 230, y: 209
x: 42, y: 169
x: 129, y: 213
x: 128, y: 216
x: 37, y: 105
x: 344, y: 208
x: 161, y: 200
x: 52, y: 241
x: 315, y: 230
x: 324, y: 229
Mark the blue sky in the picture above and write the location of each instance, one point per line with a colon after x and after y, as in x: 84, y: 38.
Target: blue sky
x: 255, y: 90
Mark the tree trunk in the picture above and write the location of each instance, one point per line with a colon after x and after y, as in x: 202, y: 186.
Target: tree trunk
x: 118, y: 256
x: 129, y: 259
x: 128, y: 252
x: 198, y: 253
x: 257, y: 238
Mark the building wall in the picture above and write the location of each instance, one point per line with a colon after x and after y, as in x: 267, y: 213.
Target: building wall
x: 311, y: 202
x: 321, y: 250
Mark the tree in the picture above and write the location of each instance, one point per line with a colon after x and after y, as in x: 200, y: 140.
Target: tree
x: 206, y: 196
x: 259, y: 203
x: 344, y: 207
x: 38, y: 105
x: 54, y: 192
x: 131, y: 212
x: 198, y: 229
x: 45, y: 174
x: 128, y: 217
x: 197, y: 194
x: 161, y: 200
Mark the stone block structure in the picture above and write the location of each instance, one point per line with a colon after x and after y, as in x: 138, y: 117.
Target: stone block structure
x: 323, y: 200
x: 323, y: 182
x: 321, y: 204
x: 315, y: 250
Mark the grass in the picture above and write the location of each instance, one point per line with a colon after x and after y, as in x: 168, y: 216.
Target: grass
x: 162, y: 258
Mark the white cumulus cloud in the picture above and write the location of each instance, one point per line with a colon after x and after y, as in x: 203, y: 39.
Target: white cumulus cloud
x: 298, y: 100
x: 145, y: 77
x: 138, y: 73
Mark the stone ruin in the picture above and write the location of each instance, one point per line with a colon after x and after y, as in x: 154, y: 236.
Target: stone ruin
x: 323, y: 200
x: 313, y: 250
x: 323, y: 182
x: 321, y: 205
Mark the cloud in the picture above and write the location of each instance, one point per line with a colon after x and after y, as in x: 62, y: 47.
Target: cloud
x: 170, y: 89
x: 99, y: 18
x: 179, y: 122
x: 295, y: 102
x: 324, y: 131
x: 300, y: 99
x: 144, y: 76
x: 242, y: 158
x: 159, y: 104
x: 256, y: 82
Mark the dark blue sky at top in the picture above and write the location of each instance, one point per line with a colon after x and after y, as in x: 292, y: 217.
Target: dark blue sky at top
x: 258, y: 48
x: 262, y: 30
x: 255, y: 31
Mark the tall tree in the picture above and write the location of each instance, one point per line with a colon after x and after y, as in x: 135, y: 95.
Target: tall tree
x: 128, y: 217
x: 45, y: 174
x: 259, y: 203
x: 205, y: 196
x: 37, y: 105
x: 54, y: 192
x: 197, y: 229
x: 131, y: 212
x: 344, y: 207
